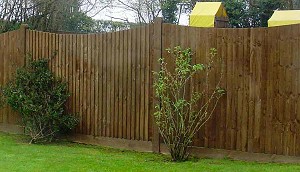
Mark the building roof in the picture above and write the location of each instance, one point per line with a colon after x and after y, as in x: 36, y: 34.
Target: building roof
x: 204, y: 13
x: 284, y: 17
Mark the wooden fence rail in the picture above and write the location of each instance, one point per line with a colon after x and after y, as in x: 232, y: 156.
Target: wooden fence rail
x: 110, y: 80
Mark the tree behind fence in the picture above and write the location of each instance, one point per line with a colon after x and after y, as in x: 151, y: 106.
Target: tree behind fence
x: 110, y: 80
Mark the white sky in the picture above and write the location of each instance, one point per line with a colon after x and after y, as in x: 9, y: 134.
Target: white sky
x: 125, y: 14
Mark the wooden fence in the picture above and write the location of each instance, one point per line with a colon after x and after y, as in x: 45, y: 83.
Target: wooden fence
x: 110, y: 79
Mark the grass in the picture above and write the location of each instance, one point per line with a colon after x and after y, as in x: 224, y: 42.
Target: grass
x: 18, y: 155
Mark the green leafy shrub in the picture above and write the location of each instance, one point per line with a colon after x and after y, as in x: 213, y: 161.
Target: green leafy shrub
x: 182, y: 111
x: 39, y: 99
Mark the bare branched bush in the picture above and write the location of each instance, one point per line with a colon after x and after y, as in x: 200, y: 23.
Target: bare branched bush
x: 182, y: 111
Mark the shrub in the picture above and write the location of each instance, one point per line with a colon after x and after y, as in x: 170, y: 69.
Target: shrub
x: 182, y: 111
x: 39, y: 99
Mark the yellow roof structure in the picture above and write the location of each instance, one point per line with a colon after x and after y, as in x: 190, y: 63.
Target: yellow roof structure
x: 284, y: 17
x: 204, y: 14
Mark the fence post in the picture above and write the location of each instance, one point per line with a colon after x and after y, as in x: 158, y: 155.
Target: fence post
x: 23, y: 38
x: 157, y: 53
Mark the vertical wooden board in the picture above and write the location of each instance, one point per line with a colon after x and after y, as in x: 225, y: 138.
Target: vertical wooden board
x: 245, y: 108
x: 143, y: 72
x: 50, y: 47
x: 63, y: 58
x: 88, y: 83
x: 118, y: 124
x: 66, y: 72
x: 294, y: 72
x: 213, y: 125
x: 77, y: 84
x: 92, y: 80
x: 206, y: 46
x: 36, y: 48
x: 6, y: 71
x: 114, y: 87
x: 11, y: 116
x: 277, y: 134
x: 121, y: 101
x: 11, y: 67
x: 40, y: 45
x: 27, y: 42
x: 222, y: 50
x: 150, y: 92
x: 53, y: 52
x: 129, y: 85
x: 251, y: 93
x: 133, y: 83
x: 257, y: 81
x: 44, y: 45
x: 295, y: 86
x: 109, y: 85
x: 270, y: 91
x: 74, y: 74
x: 98, y: 85
x: 237, y: 88
x: 148, y: 72
x: 263, y: 89
x: 281, y: 104
x: 70, y: 75
x: 14, y: 64
x: 202, y: 58
x: 197, y: 44
x: 234, y: 101
x: 229, y: 91
x: 104, y: 98
x: 59, y: 57
x: 33, y: 44
x: 138, y: 83
x: 288, y: 88
x: 156, y: 48
x: 102, y: 82
x: 10, y: 63
x: 56, y: 47
x: 85, y: 85
x: 81, y: 86
x: 63, y: 64
x: 47, y: 47
x: 220, y: 111
x: 217, y: 112
x: 105, y: 92
x: 124, y: 75
x: 101, y: 86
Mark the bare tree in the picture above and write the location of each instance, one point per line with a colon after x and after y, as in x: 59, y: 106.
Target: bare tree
x: 45, y: 14
x: 145, y: 11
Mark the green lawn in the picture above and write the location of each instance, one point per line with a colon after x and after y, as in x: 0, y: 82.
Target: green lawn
x: 17, y: 155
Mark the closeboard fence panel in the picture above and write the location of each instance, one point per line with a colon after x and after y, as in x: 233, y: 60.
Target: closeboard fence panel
x: 259, y: 111
x: 109, y: 77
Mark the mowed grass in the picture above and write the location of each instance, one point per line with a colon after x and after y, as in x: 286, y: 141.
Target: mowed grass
x: 17, y: 155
